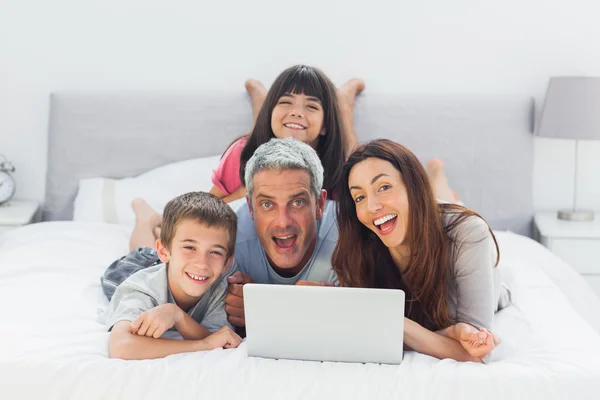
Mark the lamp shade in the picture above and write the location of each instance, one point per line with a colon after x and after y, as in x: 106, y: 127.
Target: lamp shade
x: 571, y: 109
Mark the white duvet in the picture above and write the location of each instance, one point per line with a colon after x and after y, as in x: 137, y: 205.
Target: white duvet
x: 53, y: 347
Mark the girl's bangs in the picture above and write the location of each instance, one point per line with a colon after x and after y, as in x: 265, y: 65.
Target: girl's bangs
x: 305, y: 81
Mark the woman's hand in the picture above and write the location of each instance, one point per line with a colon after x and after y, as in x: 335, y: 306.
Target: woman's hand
x: 478, y: 342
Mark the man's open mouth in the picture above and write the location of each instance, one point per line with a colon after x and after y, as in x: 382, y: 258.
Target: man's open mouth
x: 285, y: 242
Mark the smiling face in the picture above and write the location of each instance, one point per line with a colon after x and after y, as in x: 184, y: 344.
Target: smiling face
x: 381, y: 200
x: 298, y: 116
x: 285, y: 213
x: 197, y: 257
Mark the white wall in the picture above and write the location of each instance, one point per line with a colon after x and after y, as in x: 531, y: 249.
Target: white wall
x: 437, y: 46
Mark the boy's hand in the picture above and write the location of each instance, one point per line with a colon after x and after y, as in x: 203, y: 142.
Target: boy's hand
x: 155, y: 322
x: 478, y: 342
x: 224, y: 337
x: 234, y: 301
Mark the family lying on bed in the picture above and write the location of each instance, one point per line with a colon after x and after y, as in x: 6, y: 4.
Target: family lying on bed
x: 385, y: 229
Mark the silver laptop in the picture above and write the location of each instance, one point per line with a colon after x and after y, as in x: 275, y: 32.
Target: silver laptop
x: 324, y: 323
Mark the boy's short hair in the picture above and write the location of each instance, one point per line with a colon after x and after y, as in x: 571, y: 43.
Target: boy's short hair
x: 203, y: 208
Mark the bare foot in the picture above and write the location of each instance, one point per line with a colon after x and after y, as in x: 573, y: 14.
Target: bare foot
x: 145, y: 214
x: 349, y: 90
x: 156, y: 232
x: 147, y: 221
x: 257, y: 93
x: 439, y: 181
x: 346, y: 98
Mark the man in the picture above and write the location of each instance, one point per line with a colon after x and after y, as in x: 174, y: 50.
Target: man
x: 287, y: 232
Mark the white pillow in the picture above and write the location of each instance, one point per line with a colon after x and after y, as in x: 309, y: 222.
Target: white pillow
x: 109, y: 200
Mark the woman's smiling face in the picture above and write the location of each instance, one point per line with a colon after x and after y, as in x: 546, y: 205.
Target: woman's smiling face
x: 381, y: 200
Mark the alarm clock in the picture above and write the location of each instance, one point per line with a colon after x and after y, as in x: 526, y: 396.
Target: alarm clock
x: 7, y: 182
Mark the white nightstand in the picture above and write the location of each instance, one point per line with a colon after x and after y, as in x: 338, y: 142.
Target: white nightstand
x: 17, y: 213
x: 577, y: 243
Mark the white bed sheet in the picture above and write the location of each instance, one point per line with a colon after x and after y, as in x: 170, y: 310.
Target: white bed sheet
x: 53, y: 347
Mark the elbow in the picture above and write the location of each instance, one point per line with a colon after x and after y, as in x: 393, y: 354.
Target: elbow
x: 121, y: 347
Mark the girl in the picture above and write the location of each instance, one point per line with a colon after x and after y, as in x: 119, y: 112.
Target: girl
x: 394, y: 234
x: 304, y: 104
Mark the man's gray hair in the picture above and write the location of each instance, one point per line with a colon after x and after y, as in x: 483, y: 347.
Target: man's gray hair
x: 283, y: 154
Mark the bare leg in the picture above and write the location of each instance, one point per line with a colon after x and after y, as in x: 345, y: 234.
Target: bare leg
x: 147, y: 225
x: 346, y: 97
x: 439, y: 181
x: 257, y: 93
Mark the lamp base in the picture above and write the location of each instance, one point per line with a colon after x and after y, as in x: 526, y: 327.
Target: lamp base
x: 575, y: 215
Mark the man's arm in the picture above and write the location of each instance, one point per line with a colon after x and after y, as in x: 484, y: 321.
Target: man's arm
x: 128, y: 346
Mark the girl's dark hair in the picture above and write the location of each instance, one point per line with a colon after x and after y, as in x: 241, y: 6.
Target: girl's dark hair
x: 302, y: 79
x: 360, y: 258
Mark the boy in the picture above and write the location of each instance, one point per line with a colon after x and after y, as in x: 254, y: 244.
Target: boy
x: 185, y: 292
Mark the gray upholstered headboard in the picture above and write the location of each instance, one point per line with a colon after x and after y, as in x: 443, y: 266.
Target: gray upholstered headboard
x: 485, y: 141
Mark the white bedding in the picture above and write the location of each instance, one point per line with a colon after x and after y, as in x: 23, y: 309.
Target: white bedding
x: 52, y: 346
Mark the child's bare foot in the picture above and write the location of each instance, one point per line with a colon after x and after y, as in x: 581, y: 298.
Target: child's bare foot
x: 145, y: 214
x: 156, y: 232
x: 147, y: 223
x: 257, y: 93
x: 439, y: 181
x: 349, y: 90
x: 346, y: 99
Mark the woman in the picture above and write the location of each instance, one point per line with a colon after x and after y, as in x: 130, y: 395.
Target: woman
x: 394, y: 234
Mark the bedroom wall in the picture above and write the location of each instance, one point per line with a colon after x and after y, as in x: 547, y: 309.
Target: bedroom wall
x: 464, y: 46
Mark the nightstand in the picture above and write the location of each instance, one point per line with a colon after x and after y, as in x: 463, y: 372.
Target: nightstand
x: 17, y: 213
x: 577, y: 243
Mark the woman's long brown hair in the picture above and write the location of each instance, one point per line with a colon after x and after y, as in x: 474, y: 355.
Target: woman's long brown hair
x: 360, y: 258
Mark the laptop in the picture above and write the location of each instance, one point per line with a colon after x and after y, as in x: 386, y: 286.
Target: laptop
x: 324, y: 323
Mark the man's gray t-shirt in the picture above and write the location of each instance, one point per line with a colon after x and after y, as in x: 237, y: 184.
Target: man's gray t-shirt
x: 149, y: 288
x: 251, y: 259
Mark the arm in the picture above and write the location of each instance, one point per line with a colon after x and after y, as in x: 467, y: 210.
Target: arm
x: 189, y: 329
x: 149, y: 318
x: 226, y: 176
x: 474, y: 273
x: 129, y: 346
x: 474, y: 297
x: 237, y: 194
x: 156, y: 321
x: 235, y: 298
x: 434, y: 344
x: 478, y: 343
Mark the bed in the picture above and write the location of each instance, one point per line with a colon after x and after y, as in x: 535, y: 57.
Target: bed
x: 54, y: 347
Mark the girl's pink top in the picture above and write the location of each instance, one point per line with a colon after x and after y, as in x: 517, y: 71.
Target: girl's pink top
x: 226, y: 176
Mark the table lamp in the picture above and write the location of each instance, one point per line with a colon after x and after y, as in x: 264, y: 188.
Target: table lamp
x: 572, y: 111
